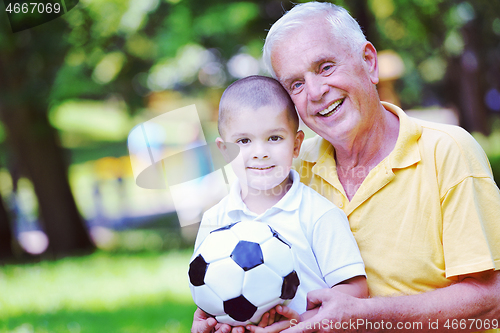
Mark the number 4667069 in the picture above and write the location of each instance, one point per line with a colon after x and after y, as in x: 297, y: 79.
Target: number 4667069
x: 34, y: 7
x: 478, y: 324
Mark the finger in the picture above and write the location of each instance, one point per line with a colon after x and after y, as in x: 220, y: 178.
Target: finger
x: 315, y: 298
x: 202, y: 323
x: 264, y: 320
x: 287, y: 312
x: 272, y: 316
x: 199, y: 314
x: 211, y: 322
x: 238, y: 329
x: 274, y: 328
x: 204, y: 327
x: 253, y: 328
x: 222, y: 328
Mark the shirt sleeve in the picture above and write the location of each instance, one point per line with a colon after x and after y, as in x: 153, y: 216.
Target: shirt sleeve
x: 471, y: 236
x: 335, y: 248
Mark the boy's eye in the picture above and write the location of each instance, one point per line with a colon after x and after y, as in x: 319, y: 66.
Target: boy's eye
x: 243, y: 141
x: 275, y: 138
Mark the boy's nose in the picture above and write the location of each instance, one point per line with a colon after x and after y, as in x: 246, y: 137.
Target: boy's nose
x: 260, y: 152
x: 263, y: 155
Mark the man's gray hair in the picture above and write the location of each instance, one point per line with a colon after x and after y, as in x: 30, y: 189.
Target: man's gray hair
x: 343, y: 25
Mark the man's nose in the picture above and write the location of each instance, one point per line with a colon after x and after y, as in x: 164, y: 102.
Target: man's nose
x: 316, y: 88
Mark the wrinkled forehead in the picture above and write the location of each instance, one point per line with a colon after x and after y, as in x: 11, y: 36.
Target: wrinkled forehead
x: 305, y: 49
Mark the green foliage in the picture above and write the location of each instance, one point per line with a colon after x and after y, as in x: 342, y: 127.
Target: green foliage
x: 495, y: 167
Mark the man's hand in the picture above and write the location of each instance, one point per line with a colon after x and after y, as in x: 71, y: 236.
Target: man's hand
x: 324, y: 306
x: 474, y: 296
x: 203, y: 323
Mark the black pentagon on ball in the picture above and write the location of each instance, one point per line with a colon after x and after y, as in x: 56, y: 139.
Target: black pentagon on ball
x: 290, y: 284
x: 247, y: 255
x: 226, y: 227
x: 197, y: 269
x: 279, y: 237
x: 239, y: 308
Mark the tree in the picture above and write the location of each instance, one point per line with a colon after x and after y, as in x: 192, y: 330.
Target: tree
x: 39, y: 70
x: 5, y: 234
x: 450, y: 52
x: 29, y: 61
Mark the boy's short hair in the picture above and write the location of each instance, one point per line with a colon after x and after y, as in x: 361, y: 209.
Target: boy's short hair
x: 255, y: 92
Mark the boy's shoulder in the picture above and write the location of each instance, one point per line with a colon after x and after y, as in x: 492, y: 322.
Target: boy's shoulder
x: 218, y: 209
x: 314, y: 203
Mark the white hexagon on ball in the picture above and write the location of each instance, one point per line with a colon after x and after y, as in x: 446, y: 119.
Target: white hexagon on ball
x: 262, y: 285
x: 277, y: 256
x: 225, y: 278
x: 219, y: 245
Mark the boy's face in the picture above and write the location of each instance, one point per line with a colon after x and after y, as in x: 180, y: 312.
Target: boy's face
x: 268, y: 144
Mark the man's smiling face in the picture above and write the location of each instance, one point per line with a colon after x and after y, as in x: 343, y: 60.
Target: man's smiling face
x: 331, y: 85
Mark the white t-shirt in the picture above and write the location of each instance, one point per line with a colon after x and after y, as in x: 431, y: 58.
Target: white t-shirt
x: 323, y: 246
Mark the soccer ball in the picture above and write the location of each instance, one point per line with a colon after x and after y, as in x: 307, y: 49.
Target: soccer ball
x: 241, y: 271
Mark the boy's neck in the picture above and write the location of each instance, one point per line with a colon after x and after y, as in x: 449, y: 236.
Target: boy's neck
x: 259, y: 201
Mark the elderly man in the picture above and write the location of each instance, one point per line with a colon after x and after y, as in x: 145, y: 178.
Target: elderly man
x: 419, y: 196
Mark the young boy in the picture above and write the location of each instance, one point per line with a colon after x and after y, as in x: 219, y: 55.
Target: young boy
x: 257, y: 114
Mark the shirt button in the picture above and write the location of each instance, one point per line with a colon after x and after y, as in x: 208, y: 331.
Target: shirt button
x: 341, y: 205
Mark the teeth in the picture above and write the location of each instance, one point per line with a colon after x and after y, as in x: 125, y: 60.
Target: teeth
x: 331, y: 108
x: 269, y: 167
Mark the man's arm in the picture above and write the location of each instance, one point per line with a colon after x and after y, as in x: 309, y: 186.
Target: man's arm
x: 465, y: 306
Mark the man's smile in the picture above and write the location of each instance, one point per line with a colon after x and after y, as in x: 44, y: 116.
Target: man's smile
x: 332, y: 108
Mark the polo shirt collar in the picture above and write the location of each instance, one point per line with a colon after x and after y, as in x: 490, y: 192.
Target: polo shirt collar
x: 290, y: 201
x: 313, y: 155
x: 405, y: 152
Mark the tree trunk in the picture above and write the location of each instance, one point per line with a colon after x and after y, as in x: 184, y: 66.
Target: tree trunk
x: 35, y: 144
x: 29, y: 62
x: 473, y: 111
x: 6, y: 252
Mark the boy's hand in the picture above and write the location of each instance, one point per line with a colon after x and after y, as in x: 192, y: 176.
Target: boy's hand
x: 203, y: 323
x: 276, y: 320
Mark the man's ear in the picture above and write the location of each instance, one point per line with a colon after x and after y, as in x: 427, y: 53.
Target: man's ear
x: 299, y: 138
x: 223, y: 149
x: 371, y: 61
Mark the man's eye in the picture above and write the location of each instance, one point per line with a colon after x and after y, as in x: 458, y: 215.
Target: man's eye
x: 296, y: 86
x: 326, y: 68
x: 275, y: 138
x: 243, y: 141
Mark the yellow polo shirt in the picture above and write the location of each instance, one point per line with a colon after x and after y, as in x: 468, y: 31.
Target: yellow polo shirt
x: 427, y: 213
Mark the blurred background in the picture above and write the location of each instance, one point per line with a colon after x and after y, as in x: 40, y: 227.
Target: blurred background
x: 84, y: 249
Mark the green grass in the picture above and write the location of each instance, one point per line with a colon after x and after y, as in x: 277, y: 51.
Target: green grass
x: 103, y: 292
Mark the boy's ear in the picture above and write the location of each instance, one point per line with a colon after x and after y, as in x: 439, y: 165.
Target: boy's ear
x: 299, y: 138
x: 223, y: 149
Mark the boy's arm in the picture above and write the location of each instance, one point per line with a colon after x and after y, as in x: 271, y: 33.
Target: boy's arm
x: 338, y: 255
x: 356, y: 287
